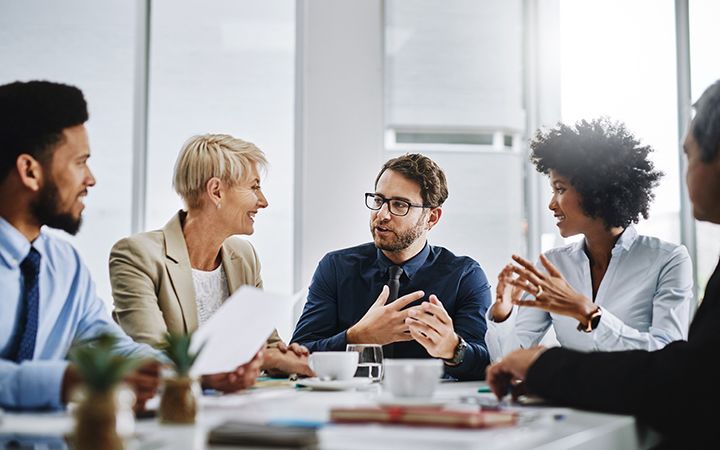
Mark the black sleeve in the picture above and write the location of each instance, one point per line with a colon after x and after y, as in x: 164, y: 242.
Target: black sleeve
x: 670, y: 389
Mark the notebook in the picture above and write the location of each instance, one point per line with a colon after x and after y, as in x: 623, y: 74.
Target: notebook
x: 424, y: 416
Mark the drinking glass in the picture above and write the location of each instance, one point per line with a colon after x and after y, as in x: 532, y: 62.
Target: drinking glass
x: 370, y: 360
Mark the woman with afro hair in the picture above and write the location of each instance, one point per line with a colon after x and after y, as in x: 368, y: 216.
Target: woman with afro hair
x: 615, y: 289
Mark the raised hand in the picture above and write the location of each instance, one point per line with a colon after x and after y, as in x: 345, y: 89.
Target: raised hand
x: 384, y: 324
x: 505, y: 295
x: 431, y: 326
x: 552, y: 293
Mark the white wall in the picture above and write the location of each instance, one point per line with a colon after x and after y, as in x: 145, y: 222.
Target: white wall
x: 339, y: 125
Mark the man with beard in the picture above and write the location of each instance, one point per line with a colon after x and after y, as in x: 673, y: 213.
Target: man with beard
x: 417, y: 300
x: 49, y: 299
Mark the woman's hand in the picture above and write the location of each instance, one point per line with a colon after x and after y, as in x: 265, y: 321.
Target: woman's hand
x: 505, y: 295
x: 552, y: 293
x: 241, y: 378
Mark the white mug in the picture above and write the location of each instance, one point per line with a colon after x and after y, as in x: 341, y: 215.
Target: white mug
x: 412, y: 378
x: 334, y: 365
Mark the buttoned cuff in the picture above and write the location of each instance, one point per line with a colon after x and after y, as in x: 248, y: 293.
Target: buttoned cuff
x: 504, y: 328
x: 608, y: 335
x: 40, y: 384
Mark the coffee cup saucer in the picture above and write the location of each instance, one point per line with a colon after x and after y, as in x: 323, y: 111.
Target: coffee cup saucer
x: 389, y: 400
x: 318, y: 384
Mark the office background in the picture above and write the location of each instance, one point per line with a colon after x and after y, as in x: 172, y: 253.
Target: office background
x: 329, y: 89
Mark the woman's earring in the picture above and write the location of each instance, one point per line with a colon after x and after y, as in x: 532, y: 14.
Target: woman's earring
x: 217, y: 205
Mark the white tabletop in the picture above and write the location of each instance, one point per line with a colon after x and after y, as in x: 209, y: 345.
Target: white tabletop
x: 545, y: 428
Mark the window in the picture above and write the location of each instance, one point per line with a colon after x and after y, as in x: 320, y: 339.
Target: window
x: 619, y: 61
x: 226, y: 67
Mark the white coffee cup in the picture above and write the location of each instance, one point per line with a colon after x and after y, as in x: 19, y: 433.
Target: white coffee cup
x: 334, y: 365
x: 412, y: 378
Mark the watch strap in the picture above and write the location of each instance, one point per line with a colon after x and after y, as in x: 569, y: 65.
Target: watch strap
x: 459, y: 354
x: 593, y: 321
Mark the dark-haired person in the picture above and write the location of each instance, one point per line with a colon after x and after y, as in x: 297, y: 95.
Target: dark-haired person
x: 49, y: 299
x: 371, y: 294
x: 613, y: 290
x: 671, y: 389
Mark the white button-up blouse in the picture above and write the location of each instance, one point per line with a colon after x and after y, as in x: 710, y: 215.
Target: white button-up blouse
x: 646, y: 297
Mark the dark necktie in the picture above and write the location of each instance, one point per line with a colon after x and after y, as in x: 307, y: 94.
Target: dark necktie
x: 394, y: 284
x: 30, y: 267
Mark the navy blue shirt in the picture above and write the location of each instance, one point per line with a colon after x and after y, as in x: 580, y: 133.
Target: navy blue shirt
x: 347, y: 282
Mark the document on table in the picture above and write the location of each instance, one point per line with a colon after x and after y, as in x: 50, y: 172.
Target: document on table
x: 237, y: 330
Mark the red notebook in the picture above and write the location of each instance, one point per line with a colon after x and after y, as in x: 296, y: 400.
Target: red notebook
x: 408, y: 415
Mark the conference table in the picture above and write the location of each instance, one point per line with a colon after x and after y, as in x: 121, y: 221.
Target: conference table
x: 538, y: 427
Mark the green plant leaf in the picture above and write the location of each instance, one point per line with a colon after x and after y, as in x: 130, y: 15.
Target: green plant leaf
x: 98, y: 365
x: 177, y: 348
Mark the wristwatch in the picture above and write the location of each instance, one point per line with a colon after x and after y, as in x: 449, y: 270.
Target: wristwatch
x: 593, y: 321
x: 459, y: 353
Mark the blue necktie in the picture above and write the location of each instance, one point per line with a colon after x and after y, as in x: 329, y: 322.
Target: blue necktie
x: 30, y: 267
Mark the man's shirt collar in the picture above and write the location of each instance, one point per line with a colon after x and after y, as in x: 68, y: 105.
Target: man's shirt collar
x: 14, y: 246
x: 411, y: 266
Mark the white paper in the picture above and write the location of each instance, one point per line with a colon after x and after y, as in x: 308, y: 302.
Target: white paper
x: 237, y: 330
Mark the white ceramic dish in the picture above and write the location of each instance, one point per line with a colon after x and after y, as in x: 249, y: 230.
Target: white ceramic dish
x: 334, y: 385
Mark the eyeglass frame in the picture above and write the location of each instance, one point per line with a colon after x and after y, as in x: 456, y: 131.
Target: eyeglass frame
x: 388, y: 200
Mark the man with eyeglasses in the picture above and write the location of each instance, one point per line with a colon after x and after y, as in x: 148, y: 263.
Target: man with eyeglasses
x: 414, y: 299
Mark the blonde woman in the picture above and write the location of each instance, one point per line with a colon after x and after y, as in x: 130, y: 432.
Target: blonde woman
x: 175, y: 278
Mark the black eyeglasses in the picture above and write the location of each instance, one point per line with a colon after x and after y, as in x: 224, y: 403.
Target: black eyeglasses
x: 396, y: 206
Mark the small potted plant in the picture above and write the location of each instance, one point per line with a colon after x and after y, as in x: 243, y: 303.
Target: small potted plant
x: 178, y: 403
x: 101, y: 371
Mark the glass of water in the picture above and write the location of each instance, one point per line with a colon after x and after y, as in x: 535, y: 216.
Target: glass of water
x: 370, y: 360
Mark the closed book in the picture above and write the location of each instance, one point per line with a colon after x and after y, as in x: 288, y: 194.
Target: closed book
x: 263, y: 435
x: 408, y: 415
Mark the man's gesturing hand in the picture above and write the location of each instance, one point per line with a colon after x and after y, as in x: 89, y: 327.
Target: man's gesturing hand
x: 384, y: 324
x: 432, y: 327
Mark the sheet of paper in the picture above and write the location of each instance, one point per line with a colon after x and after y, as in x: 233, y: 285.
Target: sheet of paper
x: 237, y: 330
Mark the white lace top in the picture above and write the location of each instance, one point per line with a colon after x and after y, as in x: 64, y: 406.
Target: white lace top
x: 211, y: 290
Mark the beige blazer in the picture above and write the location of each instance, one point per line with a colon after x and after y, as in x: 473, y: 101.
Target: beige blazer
x: 152, y: 283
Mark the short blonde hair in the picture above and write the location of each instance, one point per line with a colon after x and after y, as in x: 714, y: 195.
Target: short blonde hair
x: 213, y: 155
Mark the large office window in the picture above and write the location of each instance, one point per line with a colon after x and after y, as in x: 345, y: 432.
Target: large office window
x: 454, y: 92
x: 705, y: 70
x: 618, y: 60
x: 226, y: 66
x: 218, y: 66
x: 90, y: 45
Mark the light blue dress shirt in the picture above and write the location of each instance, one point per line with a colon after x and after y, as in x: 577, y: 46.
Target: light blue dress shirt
x: 646, y: 297
x: 69, y: 310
